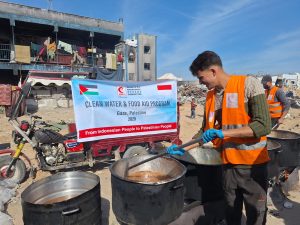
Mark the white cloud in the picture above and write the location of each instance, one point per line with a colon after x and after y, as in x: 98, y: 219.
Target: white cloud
x: 217, y: 25
x: 205, y: 31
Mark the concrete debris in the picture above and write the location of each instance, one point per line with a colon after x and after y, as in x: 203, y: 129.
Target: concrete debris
x: 7, y: 191
x: 187, y: 92
x: 295, y: 103
x: 5, y: 219
x: 295, y: 100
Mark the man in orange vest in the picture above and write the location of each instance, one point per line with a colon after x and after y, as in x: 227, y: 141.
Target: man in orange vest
x: 236, y: 120
x: 278, y: 104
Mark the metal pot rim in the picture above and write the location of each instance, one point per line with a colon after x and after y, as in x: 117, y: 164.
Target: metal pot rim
x: 284, y: 138
x: 198, y: 156
x: 111, y: 169
x: 276, y: 146
x: 199, y: 164
x: 58, y: 176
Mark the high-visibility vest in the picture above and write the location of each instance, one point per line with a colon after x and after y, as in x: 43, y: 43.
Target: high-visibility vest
x: 246, y: 151
x: 275, y: 108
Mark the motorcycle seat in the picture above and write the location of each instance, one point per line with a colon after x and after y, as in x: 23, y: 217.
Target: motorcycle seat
x: 72, y: 135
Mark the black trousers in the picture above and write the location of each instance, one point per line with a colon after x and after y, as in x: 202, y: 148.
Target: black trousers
x: 248, y: 186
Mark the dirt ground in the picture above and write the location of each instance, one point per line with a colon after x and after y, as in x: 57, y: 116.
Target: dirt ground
x: 188, y: 128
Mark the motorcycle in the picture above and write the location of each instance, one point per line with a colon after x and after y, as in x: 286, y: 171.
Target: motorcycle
x: 55, y: 151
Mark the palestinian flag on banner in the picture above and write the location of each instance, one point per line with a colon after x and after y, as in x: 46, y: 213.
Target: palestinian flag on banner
x: 88, y: 89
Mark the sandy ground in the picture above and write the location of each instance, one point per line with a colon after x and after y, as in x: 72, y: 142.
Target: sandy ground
x: 188, y: 128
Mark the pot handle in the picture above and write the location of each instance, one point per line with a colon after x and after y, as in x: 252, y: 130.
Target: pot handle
x: 70, y: 211
x: 176, y: 187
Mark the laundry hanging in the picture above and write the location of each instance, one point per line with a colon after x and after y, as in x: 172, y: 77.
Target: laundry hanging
x: 111, y: 61
x: 35, y: 49
x: 51, y: 48
x: 22, y: 54
x: 65, y: 46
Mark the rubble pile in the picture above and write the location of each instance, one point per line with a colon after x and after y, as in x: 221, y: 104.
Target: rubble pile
x: 7, y: 192
x: 294, y: 99
x: 187, y: 92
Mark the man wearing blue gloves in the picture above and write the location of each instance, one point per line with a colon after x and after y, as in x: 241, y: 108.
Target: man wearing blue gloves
x: 236, y: 121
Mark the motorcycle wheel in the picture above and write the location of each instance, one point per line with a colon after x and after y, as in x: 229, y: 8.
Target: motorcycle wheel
x: 18, y: 171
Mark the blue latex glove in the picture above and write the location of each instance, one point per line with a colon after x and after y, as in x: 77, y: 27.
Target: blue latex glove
x: 174, y: 150
x: 212, y: 134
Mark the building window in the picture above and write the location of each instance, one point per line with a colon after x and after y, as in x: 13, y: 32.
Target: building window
x: 131, y: 76
x: 147, y: 49
x: 146, y: 66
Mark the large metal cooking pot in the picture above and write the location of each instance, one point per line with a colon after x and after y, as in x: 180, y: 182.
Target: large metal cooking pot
x: 143, y: 202
x: 201, y: 156
x: 274, y: 148
x: 67, y: 198
x: 203, y: 179
x: 290, y: 144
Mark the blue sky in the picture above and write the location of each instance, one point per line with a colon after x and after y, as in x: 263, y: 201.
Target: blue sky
x: 251, y: 36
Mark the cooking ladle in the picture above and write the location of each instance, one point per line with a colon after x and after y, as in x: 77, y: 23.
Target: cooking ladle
x: 275, y: 126
x: 127, y: 167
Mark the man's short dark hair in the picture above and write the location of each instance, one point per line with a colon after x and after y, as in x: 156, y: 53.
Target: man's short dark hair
x: 204, y: 61
x: 266, y: 78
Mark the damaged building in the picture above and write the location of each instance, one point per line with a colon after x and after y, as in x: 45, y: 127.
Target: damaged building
x: 48, y: 48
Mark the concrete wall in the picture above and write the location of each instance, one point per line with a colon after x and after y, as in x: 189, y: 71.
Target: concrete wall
x: 135, y: 69
x: 8, y: 9
x: 50, y: 96
x: 142, y: 57
x: 132, y: 73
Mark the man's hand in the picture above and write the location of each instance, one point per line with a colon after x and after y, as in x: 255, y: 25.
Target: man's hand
x: 174, y: 150
x: 212, y: 134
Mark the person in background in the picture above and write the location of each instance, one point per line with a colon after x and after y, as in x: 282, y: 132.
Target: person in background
x: 279, y: 105
x: 236, y: 120
x: 279, y: 83
x: 193, y: 108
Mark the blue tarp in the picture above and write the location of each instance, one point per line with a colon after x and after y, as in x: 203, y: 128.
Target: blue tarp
x: 104, y: 74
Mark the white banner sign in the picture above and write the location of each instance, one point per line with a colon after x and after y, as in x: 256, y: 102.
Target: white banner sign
x: 111, y: 109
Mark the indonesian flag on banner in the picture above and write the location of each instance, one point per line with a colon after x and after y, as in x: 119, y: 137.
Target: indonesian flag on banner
x: 164, y: 87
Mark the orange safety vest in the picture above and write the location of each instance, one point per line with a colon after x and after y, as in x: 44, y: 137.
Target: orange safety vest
x: 275, y: 108
x: 246, y: 151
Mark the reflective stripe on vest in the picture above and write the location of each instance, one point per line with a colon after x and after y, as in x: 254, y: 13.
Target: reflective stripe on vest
x: 232, y: 126
x: 210, y: 117
x: 251, y: 157
x: 275, y: 108
x: 251, y: 146
x: 247, y: 151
